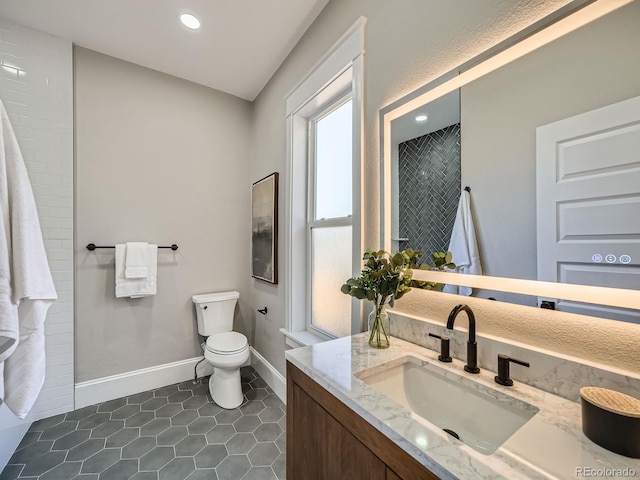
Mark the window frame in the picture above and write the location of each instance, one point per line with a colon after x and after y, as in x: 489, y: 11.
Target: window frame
x: 337, y: 75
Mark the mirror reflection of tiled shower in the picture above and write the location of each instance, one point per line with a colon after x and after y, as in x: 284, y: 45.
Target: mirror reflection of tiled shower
x: 429, y: 190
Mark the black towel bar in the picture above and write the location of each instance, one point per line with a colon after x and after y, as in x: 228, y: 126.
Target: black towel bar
x: 93, y: 246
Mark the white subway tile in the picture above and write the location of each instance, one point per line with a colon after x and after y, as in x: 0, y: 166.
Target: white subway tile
x: 54, y: 372
x: 36, y: 167
x: 17, y: 85
x: 52, y: 244
x: 59, y: 254
x: 19, y: 109
x: 60, y: 191
x: 57, y: 276
x: 48, y: 222
x: 42, y: 211
x: 63, y: 360
x: 52, y: 328
x: 60, y: 127
x: 56, y: 389
x: 40, y: 106
x: 61, y: 233
x: 61, y: 212
x: 48, y: 201
x: 17, y: 98
x: 59, y: 339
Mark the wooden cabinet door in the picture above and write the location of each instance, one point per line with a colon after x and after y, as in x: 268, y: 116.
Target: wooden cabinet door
x: 391, y: 475
x: 357, y: 461
x: 319, y: 448
x: 326, y: 440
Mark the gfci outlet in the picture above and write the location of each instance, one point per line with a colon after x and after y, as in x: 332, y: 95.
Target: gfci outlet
x: 548, y: 305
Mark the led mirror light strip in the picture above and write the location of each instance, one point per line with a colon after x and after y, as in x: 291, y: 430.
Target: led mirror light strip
x: 617, y: 297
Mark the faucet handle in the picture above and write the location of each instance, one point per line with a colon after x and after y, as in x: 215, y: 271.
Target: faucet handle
x: 503, y: 377
x: 444, y: 347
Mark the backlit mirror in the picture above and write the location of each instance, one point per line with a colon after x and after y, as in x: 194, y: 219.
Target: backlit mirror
x: 549, y: 144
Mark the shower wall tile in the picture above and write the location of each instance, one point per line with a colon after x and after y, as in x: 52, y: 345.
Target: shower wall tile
x: 429, y: 189
x: 36, y: 87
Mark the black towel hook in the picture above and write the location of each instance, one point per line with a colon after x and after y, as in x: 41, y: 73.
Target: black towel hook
x: 263, y: 311
x: 468, y: 189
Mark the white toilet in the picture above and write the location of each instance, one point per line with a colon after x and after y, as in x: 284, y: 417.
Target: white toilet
x: 226, y: 350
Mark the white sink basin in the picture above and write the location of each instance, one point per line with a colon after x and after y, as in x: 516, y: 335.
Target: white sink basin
x: 481, y: 417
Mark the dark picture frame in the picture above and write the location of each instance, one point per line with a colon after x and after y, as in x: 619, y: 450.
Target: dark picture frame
x: 264, y: 229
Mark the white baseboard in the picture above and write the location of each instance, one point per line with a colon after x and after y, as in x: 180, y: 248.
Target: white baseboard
x: 270, y: 375
x: 129, y: 383
x: 124, y: 384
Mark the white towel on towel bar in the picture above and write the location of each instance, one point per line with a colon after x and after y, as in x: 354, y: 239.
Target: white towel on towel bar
x: 137, y: 260
x: 26, y: 286
x: 463, y: 245
x: 136, y: 287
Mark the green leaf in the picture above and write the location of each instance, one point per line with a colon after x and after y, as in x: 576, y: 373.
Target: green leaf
x: 385, y: 277
x: 359, y: 293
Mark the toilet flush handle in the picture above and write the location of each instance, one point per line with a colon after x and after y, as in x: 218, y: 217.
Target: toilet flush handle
x: 205, y: 307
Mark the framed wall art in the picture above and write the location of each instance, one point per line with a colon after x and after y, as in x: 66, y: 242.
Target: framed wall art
x: 264, y: 229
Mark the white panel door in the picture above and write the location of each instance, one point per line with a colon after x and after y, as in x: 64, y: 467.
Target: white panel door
x: 588, y: 202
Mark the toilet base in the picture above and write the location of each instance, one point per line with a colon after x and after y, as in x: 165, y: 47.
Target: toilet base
x: 225, y: 387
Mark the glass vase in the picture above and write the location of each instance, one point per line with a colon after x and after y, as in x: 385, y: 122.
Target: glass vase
x: 379, y: 328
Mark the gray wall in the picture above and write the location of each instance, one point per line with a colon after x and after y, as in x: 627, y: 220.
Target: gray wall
x: 588, y: 69
x: 405, y: 48
x: 162, y: 160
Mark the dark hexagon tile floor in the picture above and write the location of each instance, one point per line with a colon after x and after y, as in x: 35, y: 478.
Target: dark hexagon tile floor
x: 171, y: 433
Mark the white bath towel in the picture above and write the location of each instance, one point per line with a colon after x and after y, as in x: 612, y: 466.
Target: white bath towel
x: 137, y: 260
x: 26, y: 286
x: 463, y: 245
x: 136, y: 287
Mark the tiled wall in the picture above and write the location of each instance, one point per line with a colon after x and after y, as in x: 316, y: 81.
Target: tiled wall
x: 429, y: 190
x: 37, y: 91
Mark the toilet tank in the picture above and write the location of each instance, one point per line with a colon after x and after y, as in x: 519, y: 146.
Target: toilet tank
x: 214, y: 312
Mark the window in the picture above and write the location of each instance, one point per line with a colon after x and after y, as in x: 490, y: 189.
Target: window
x: 329, y: 219
x: 323, y: 224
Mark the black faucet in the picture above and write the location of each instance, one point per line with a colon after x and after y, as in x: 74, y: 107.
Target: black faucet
x: 472, y: 346
x: 444, y: 347
x: 503, y: 377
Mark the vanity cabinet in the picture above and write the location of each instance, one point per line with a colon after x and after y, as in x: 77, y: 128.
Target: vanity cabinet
x: 326, y: 440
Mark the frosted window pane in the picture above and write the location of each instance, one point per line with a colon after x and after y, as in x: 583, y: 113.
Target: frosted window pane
x: 334, y: 163
x: 330, y: 308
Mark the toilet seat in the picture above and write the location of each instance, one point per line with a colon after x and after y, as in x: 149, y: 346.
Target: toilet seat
x: 227, y: 343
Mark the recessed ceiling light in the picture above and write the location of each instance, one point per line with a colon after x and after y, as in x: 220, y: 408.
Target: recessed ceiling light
x: 189, y: 21
x: 422, y: 117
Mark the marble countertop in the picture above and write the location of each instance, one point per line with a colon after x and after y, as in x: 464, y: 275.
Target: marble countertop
x: 549, y: 446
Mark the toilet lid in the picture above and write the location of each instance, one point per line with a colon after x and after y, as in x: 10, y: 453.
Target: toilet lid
x: 227, y: 343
